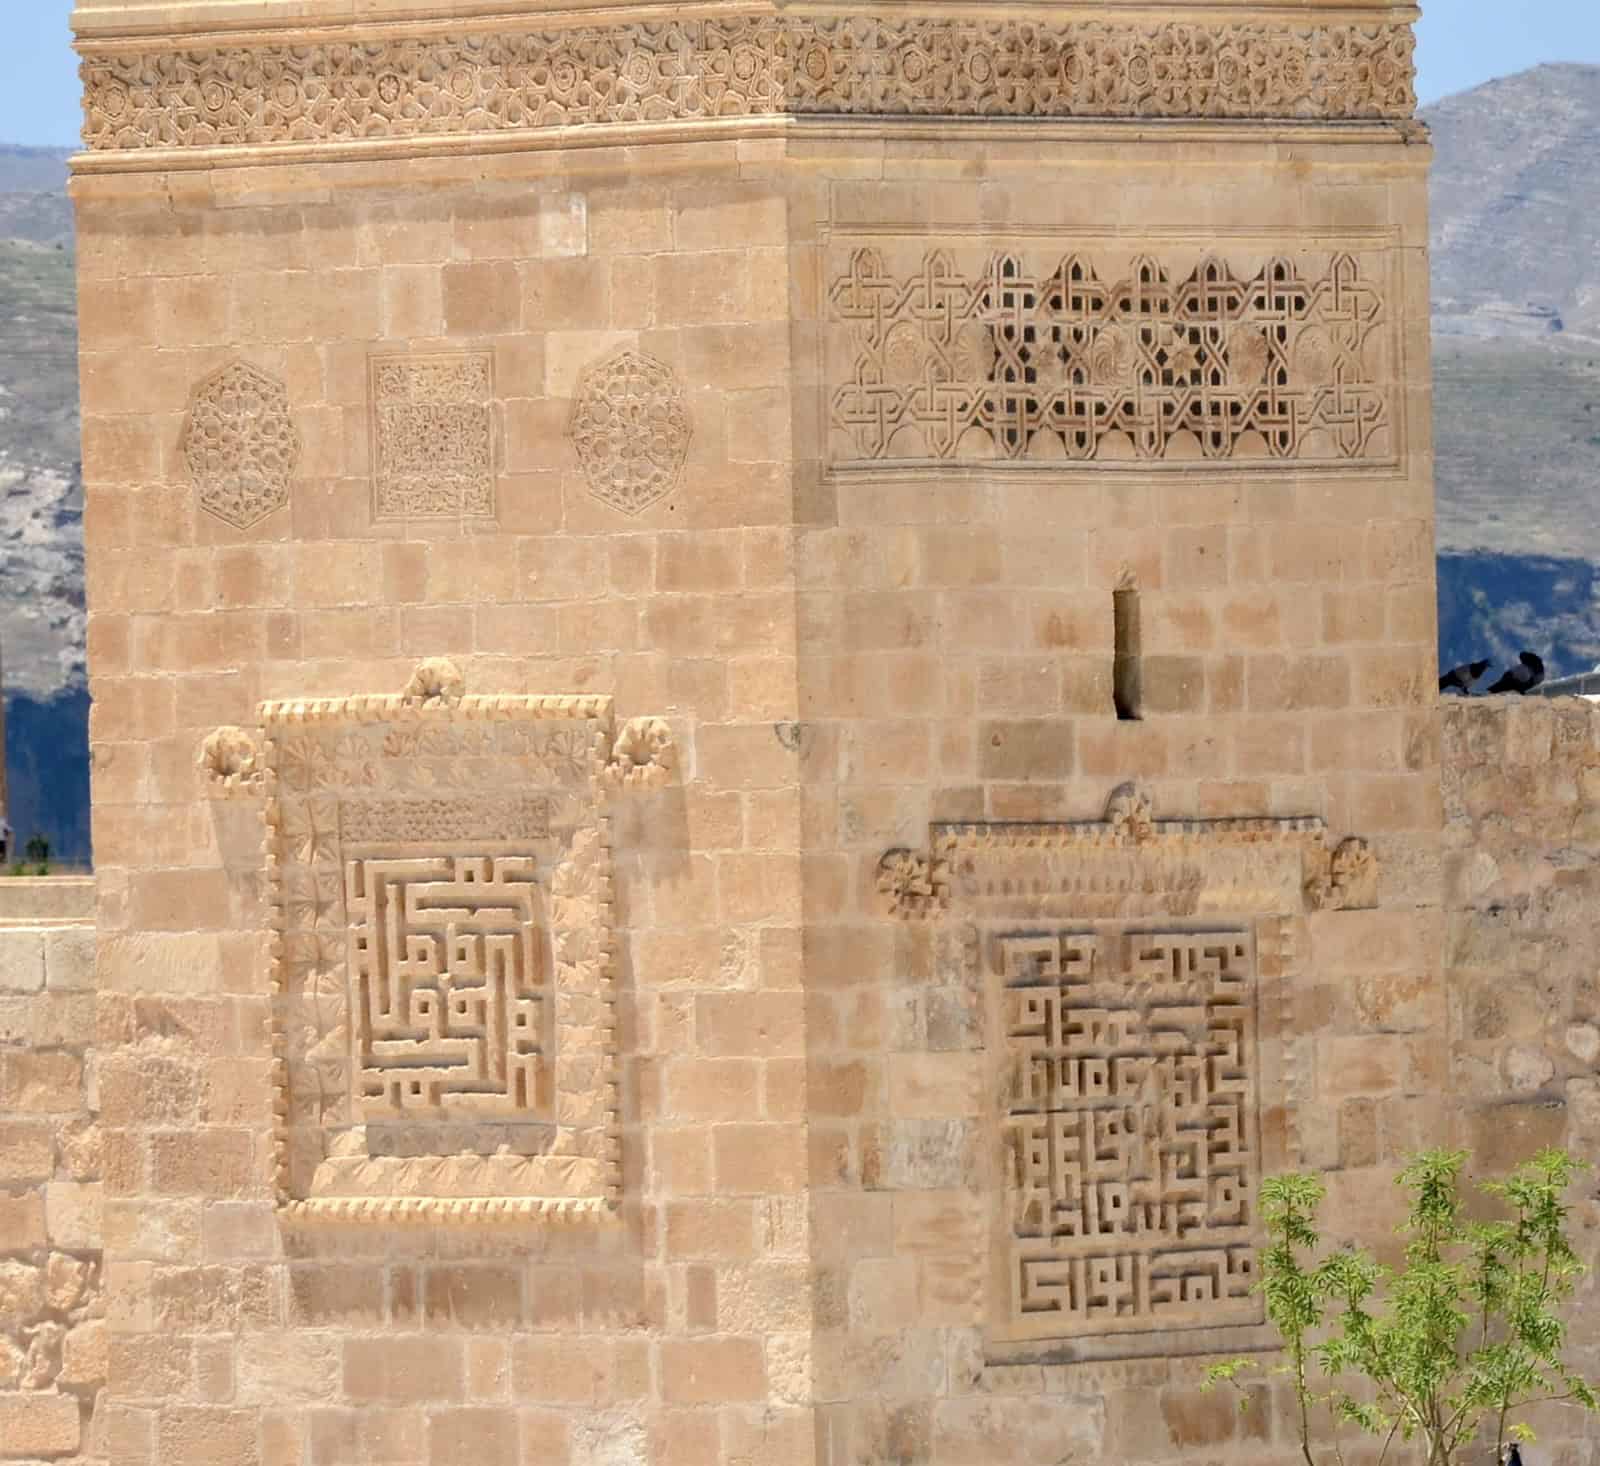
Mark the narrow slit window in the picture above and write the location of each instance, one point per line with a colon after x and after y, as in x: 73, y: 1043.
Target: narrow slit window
x: 1125, y: 679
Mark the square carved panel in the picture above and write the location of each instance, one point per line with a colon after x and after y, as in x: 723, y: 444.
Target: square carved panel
x: 1131, y: 1132
x: 1137, y: 978
x: 433, y: 435
x: 440, y: 890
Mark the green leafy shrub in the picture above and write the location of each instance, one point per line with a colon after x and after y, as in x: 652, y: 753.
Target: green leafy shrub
x: 1447, y: 1350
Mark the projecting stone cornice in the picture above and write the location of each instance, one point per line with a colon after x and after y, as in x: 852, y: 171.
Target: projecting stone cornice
x: 448, y: 80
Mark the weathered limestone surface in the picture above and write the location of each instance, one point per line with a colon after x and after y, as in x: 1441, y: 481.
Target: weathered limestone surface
x: 53, y: 1343
x: 620, y: 871
x: 1521, y: 782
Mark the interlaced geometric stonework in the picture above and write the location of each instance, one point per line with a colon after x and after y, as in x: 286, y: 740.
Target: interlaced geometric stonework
x: 240, y: 445
x: 630, y: 426
x: 440, y: 887
x: 1132, y: 1128
x: 952, y: 354
x: 432, y: 435
x: 376, y: 86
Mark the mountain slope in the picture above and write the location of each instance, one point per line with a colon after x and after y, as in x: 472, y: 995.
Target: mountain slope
x: 41, y: 506
x: 1516, y: 364
x: 1515, y: 179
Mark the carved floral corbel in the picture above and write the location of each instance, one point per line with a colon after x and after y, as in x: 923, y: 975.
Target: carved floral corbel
x: 643, y: 755
x: 1130, y: 815
x: 436, y: 683
x: 913, y: 884
x: 1344, y: 878
x: 230, y: 763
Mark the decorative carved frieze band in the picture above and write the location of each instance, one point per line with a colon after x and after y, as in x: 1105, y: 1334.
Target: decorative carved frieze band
x: 966, y: 354
x: 316, y: 90
x: 440, y: 888
x: 1034, y: 861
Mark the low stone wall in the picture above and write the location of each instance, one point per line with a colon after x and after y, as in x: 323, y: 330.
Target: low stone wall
x: 1521, y: 781
x: 46, y: 898
x: 52, y: 1343
x: 1521, y: 785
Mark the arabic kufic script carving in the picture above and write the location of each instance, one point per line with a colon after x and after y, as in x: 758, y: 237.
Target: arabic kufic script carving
x: 1131, y: 1129
x: 447, y: 986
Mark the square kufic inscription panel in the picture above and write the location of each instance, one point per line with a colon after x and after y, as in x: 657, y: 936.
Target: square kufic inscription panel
x: 433, y: 435
x: 1137, y: 977
x: 441, y: 906
x: 1131, y: 1129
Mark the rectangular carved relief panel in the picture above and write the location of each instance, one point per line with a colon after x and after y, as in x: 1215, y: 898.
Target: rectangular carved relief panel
x: 1137, y: 977
x: 433, y: 435
x: 1131, y: 1134
x: 449, y: 992
x: 440, y: 885
x: 1076, y: 350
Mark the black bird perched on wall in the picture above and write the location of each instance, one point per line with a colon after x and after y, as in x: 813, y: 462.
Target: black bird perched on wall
x: 1460, y: 679
x: 1521, y: 679
x: 1514, y: 1455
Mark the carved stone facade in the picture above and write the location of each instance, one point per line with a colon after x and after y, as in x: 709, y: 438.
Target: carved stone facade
x: 240, y: 444
x: 975, y: 354
x: 630, y: 427
x: 832, y: 757
x: 443, y: 957
x: 1137, y: 977
x: 239, y: 95
x: 433, y: 435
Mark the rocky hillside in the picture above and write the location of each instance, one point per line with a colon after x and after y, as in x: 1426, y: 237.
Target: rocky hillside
x: 1517, y: 164
x: 41, y: 505
x: 1516, y: 315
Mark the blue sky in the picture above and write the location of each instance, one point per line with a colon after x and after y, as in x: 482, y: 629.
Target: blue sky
x: 1462, y: 43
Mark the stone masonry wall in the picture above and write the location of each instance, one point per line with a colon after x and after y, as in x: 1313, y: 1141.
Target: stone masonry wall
x: 52, y: 1339
x: 1521, y: 782
x: 957, y: 658
x: 676, y: 1332
x: 685, y: 428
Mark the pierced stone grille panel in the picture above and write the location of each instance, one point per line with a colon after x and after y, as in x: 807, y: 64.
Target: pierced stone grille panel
x: 433, y: 435
x: 962, y: 356
x: 448, y: 990
x: 1131, y: 1129
x: 299, y: 91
